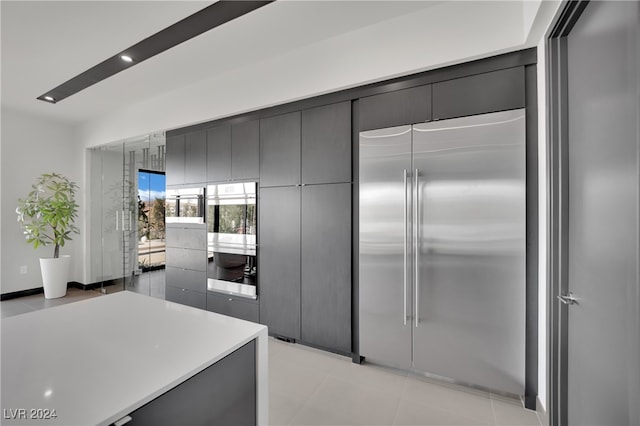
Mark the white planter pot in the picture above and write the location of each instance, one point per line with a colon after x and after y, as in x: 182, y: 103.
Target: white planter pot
x: 55, y: 274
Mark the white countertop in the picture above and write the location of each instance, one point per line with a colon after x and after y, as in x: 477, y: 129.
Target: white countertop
x: 96, y: 360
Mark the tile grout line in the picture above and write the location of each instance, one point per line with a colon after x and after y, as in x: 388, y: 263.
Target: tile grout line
x: 493, y: 410
x: 402, y: 397
x: 307, y: 400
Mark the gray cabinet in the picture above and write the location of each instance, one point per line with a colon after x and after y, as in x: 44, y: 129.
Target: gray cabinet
x: 326, y: 144
x: 186, y: 160
x: 478, y: 94
x: 406, y: 106
x: 326, y: 266
x: 222, y: 394
x: 279, y: 260
x: 195, y: 260
x: 186, y: 264
x: 174, y: 166
x: 245, y: 150
x: 195, y: 155
x: 233, y: 306
x: 219, y: 154
x: 280, y: 150
x: 185, y: 296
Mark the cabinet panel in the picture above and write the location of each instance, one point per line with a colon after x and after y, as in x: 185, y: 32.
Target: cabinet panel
x: 280, y: 150
x: 222, y: 394
x: 478, y: 94
x: 326, y: 266
x: 279, y: 260
x: 174, y: 162
x: 195, y: 260
x: 406, y: 106
x: 186, y: 278
x: 195, y: 157
x: 326, y: 144
x: 219, y: 154
x: 232, y: 306
x: 189, y: 238
x: 186, y: 297
x: 245, y: 150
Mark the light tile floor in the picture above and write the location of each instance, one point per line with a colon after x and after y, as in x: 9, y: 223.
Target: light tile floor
x: 312, y: 387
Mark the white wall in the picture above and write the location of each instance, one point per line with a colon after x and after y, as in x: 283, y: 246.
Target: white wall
x: 31, y: 146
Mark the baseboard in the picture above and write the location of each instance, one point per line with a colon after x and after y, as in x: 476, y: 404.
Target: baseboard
x: 542, y: 413
x: 37, y: 290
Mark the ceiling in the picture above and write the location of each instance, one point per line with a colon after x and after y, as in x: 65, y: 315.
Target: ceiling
x: 45, y: 43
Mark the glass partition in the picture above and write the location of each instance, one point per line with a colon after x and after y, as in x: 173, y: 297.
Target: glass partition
x: 127, y: 216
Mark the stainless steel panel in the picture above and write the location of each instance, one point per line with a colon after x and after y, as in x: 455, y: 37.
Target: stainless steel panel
x: 385, y: 333
x: 231, y: 288
x: 470, y: 229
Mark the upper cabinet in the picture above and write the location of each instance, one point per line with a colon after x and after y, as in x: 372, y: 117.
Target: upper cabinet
x: 326, y: 144
x: 280, y: 150
x: 478, y: 94
x: 195, y: 155
x: 233, y: 152
x: 312, y: 146
x: 406, y: 106
x: 186, y: 159
x: 245, y: 150
x: 174, y: 165
x: 219, y: 154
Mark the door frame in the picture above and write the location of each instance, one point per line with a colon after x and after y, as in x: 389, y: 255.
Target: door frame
x: 558, y: 211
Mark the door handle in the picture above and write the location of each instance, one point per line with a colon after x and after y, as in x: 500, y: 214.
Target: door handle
x: 568, y: 299
x: 416, y: 241
x: 406, y: 232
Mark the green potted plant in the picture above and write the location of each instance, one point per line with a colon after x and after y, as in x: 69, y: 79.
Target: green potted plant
x: 47, y: 215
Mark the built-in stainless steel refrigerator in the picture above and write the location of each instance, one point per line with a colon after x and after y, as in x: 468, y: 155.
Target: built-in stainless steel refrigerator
x: 442, y: 249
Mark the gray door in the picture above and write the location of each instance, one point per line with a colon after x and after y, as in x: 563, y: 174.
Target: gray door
x: 326, y: 266
x: 279, y: 260
x: 385, y: 278
x: 603, y: 350
x: 469, y: 240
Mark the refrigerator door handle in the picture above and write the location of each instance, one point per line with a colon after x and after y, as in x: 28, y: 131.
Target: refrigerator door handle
x: 416, y: 241
x: 406, y: 232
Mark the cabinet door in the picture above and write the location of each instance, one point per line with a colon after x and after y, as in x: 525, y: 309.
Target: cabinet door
x: 233, y: 306
x: 174, y: 163
x: 326, y: 266
x: 280, y: 150
x: 196, y: 260
x: 245, y: 150
x: 219, y: 154
x: 188, y: 238
x: 279, y: 260
x: 326, y: 144
x: 478, y: 94
x: 406, y: 106
x: 195, y: 157
x: 222, y: 394
x: 186, y: 297
x: 186, y: 278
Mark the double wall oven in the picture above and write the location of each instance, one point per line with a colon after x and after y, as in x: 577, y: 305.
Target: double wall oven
x: 231, y: 238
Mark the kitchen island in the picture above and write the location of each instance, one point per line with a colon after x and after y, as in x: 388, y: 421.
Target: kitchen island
x: 131, y: 359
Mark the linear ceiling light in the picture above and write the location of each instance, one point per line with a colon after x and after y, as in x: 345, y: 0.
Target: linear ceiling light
x: 200, y: 22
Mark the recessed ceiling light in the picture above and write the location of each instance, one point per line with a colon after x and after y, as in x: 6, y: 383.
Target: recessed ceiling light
x: 49, y: 98
x: 210, y: 17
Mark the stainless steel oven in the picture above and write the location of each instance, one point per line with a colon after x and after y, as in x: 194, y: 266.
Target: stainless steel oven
x: 184, y: 205
x: 231, y: 230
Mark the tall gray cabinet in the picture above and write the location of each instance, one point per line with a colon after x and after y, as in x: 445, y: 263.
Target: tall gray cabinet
x: 305, y: 225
